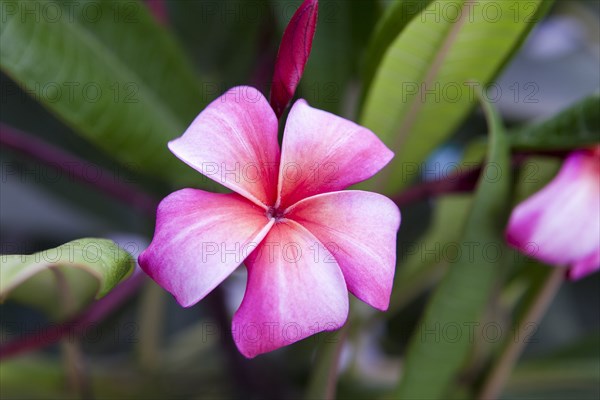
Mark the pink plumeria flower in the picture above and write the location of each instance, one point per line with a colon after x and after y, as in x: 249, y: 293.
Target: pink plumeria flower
x: 560, y: 224
x: 304, y: 242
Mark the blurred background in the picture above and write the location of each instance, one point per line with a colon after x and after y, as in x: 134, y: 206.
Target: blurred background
x: 150, y: 347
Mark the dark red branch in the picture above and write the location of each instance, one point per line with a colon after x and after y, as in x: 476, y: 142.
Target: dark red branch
x: 56, y: 158
x: 460, y: 182
x: 464, y: 181
x: 77, y: 326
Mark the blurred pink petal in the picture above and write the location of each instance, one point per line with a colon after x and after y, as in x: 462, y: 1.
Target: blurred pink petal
x: 359, y: 229
x: 158, y: 8
x: 234, y: 142
x: 295, y: 289
x: 293, y: 54
x: 200, y: 238
x: 560, y: 224
x: 322, y: 152
x: 585, y: 266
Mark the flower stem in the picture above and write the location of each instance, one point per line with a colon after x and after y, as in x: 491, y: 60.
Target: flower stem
x: 461, y: 182
x: 54, y: 157
x: 151, y: 319
x: 248, y: 378
x: 501, y: 371
x: 74, y: 363
x: 322, y: 384
x: 77, y: 378
x: 78, y: 325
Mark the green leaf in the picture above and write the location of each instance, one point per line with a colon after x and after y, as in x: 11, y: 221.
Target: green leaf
x: 536, y: 173
x: 108, y: 71
x: 577, y: 126
x: 19, y: 373
x: 323, y: 379
x: 426, y: 84
x: 426, y: 259
x: 436, y: 352
x: 64, y: 279
x: 575, y: 379
x: 395, y: 19
x: 572, y: 370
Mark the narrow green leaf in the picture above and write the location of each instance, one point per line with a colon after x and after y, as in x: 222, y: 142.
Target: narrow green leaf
x: 323, y: 379
x: 577, y: 126
x: 395, y: 19
x: 18, y: 375
x: 442, y: 342
x: 425, y: 259
x: 571, y: 371
x: 79, y: 270
x: 108, y: 71
x: 537, y: 299
x: 427, y: 81
x: 575, y: 379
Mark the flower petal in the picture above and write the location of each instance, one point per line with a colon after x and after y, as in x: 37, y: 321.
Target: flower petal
x: 560, y: 224
x: 295, y: 289
x: 359, y: 229
x: 234, y: 142
x: 200, y: 238
x: 585, y: 266
x: 323, y: 153
x: 293, y: 54
x: 158, y: 8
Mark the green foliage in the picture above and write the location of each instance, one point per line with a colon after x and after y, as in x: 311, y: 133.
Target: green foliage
x: 434, y: 356
x: 419, y: 270
x: 323, y: 378
x: 114, y: 76
x: 570, y: 372
x: 577, y: 126
x: 63, y: 280
x: 427, y: 81
x: 397, y: 16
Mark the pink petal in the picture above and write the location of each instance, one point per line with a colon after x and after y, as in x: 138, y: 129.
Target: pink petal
x: 158, y: 8
x: 293, y: 54
x: 560, y: 224
x: 295, y: 289
x: 359, y: 229
x: 234, y: 142
x: 200, y: 238
x: 585, y: 266
x: 323, y: 153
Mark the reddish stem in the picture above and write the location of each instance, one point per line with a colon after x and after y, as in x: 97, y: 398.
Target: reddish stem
x: 54, y: 157
x: 456, y: 183
x: 77, y: 326
x: 464, y: 181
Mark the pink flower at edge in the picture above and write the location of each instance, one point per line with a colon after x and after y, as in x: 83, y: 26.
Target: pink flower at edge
x: 560, y: 224
x: 305, y: 243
